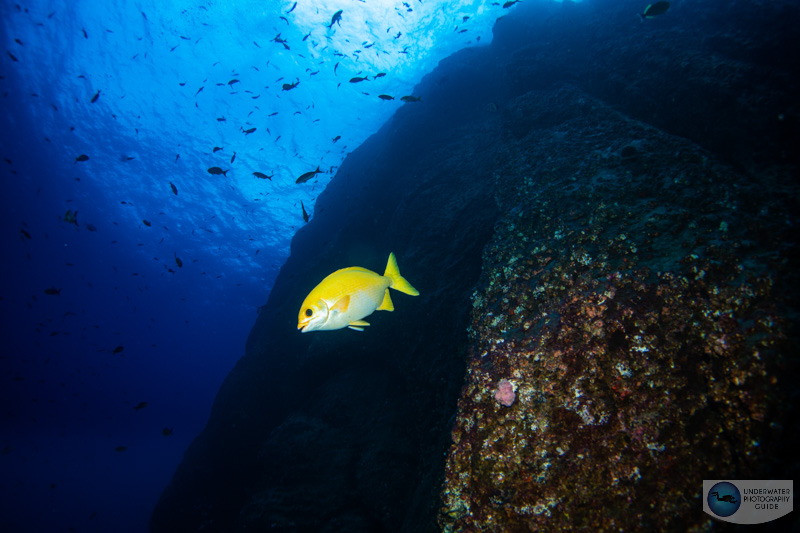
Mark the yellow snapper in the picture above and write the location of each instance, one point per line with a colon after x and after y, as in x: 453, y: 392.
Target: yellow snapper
x: 345, y: 297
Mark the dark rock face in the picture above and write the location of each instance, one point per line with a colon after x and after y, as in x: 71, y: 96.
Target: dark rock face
x: 605, y: 220
x: 345, y: 430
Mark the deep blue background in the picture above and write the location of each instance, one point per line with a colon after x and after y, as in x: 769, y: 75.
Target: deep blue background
x: 68, y: 400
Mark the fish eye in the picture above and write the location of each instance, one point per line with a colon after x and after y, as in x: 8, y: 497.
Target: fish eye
x: 309, y: 312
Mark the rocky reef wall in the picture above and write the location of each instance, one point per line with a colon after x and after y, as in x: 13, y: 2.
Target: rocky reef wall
x: 600, y: 217
x: 629, y: 334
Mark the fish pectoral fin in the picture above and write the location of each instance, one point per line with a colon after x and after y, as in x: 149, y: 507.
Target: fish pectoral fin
x: 386, y: 304
x: 341, y: 305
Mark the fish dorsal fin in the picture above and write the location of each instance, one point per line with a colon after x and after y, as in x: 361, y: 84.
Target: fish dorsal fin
x: 386, y: 304
x: 356, y: 269
x: 341, y: 305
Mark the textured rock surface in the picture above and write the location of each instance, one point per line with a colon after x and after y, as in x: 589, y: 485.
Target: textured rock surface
x: 635, y: 297
x: 604, y: 218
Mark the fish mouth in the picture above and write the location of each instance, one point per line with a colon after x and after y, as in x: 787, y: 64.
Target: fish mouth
x: 302, y: 327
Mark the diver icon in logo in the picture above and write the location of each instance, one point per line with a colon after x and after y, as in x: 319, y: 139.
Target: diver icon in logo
x: 724, y: 498
x: 727, y: 498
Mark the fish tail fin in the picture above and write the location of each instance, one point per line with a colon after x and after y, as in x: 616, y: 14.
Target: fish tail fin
x: 642, y: 16
x: 398, y: 282
x: 225, y: 173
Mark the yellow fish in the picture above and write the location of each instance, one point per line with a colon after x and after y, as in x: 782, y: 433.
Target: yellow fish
x: 345, y: 297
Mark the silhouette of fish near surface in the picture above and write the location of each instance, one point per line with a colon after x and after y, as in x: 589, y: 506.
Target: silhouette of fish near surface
x: 308, y: 175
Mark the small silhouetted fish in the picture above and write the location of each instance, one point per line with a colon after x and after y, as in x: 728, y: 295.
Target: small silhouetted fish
x: 337, y: 138
x: 380, y: 74
x: 216, y: 149
x: 294, y: 6
x: 91, y: 227
x: 305, y: 215
x: 262, y: 176
x: 174, y: 188
x: 233, y: 157
x: 509, y: 4
x: 216, y: 171
x: 385, y: 97
x: 290, y: 86
x: 141, y: 405
x: 81, y: 158
x: 96, y: 96
x: 234, y: 80
x: 178, y: 260
x: 25, y: 233
x: 358, y: 79
x: 125, y: 158
x: 336, y: 19
x: 70, y: 217
x: 308, y: 175
x: 118, y: 349
x: 176, y: 158
x: 166, y: 431
x: 654, y: 10
x: 248, y: 131
x: 52, y: 291
x: 120, y: 448
x: 146, y: 222
x: 411, y: 99
x: 11, y: 56
x: 199, y: 90
x: 221, y: 119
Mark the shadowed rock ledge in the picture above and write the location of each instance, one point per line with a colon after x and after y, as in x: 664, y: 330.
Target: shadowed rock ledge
x: 608, y: 239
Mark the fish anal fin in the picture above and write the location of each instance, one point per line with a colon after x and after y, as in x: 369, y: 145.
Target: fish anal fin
x: 358, y: 325
x: 386, y: 304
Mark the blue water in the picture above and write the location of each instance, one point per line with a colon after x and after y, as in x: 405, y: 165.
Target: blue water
x: 74, y: 453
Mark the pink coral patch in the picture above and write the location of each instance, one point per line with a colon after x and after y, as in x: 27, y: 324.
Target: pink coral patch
x: 505, y: 393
